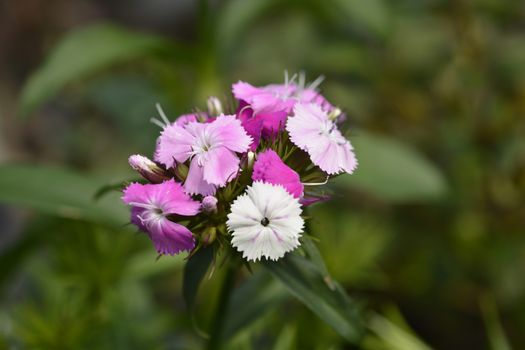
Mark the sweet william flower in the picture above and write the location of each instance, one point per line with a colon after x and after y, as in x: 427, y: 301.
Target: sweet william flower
x: 210, y: 147
x: 275, y: 98
x: 261, y: 125
x: 265, y: 221
x: 311, y: 129
x: 263, y: 110
x: 270, y: 168
x: 151, y: 204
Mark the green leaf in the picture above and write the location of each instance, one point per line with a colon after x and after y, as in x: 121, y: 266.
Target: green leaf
x: 248, y: 303
x: 305, y: 282
x: 194, y: 272
x: 392, y: 171
x: 286, y: 338
x: 495, y: 332
x: 81, y: 53
x: 60, y: 192
x: 393, y: 336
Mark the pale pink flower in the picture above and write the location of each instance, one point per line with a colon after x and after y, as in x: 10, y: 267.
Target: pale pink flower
x: 312, y: 130
x: 211, y: 148
x: 270, y: 168
x: 152, y: 204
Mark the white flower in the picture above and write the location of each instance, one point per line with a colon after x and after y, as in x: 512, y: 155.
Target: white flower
x: 265, y: 222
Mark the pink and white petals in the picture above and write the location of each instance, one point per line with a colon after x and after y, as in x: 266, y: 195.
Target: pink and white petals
x: 150, y: 206
x: 195, y: 183
x: 227, y: 131
x: 174, y: 144
x: 221, y: 166
x: 311, y: 130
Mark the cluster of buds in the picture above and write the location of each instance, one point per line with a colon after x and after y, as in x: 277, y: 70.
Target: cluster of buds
x: 239, y: 177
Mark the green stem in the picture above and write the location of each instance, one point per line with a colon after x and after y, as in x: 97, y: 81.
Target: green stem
x: 217, y: 325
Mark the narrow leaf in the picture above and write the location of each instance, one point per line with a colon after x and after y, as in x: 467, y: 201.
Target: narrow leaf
x: 194, y: 272
x: 60, y: 192
x: 392, y: 171
x: 80, y: 53
x: 257, y: 295
x: 304, y: 281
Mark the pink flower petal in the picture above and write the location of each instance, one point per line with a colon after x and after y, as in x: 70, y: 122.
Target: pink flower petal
x: 195, y: 183
x: 252, y: 124
x: 221, y: 166
x: 174, y: 144
x: 311, y: 130
x: 270, y: 168
x: 171, y: 238
x: 227, y: 131
x: 150, y: 206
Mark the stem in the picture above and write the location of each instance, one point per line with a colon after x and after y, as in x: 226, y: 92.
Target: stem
x: 217, y: 325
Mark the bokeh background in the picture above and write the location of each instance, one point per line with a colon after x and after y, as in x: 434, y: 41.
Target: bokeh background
x: 429, y: 232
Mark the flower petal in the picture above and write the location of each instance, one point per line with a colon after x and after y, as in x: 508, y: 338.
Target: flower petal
x: 195, y: 183
x: 170, y: 238
x: 282, y: 230
x: 174, y: 144
x: 221, y: 166
x: 227, y: 131
x: 270, y: 168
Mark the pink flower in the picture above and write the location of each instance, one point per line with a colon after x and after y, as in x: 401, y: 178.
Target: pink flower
x: 312, y: 130
x: 276, y: 98
x: 263, y: 125
x: 263, y: 110
x: 211, y: 147
x: 270, y: 168
x: 268, y: 99
x: 151, y: 205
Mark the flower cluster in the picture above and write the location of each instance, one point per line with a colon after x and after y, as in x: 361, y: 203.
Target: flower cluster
x: 240, y: 177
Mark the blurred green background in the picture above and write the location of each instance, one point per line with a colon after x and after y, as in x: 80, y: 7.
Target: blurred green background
x: 429, y: 232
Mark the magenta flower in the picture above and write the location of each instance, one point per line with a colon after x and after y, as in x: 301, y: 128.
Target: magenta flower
x: 151, y: 205
x: 263, y: 125
x: 211, y: 147
x: 270, y: 168
x: 313, y: 131
x: 276, y: 98
x: 268, y: 99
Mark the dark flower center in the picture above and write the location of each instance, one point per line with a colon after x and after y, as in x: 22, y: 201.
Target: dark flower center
x: 265, y: 222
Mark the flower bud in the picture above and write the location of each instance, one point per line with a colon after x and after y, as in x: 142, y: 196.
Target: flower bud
x: 148, y: 169
x: 209, y: 235
x: 250, y: 160
x: 209, y: 204
x: 334, y: 113
x: 214, y: 106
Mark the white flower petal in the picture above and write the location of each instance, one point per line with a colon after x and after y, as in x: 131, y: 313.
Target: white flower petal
x: 283, y: 228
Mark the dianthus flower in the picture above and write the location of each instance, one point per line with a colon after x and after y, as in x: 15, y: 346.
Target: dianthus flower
x: 265, y: 222
x: 211, y: 149
x: 151, y: 207
x: 311, y: 129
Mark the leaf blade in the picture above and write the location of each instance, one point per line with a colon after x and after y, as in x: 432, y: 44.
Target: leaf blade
x: 305, y: 282
x: 392, y: 171
x: 60, y: 192
x: 81, y: 53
